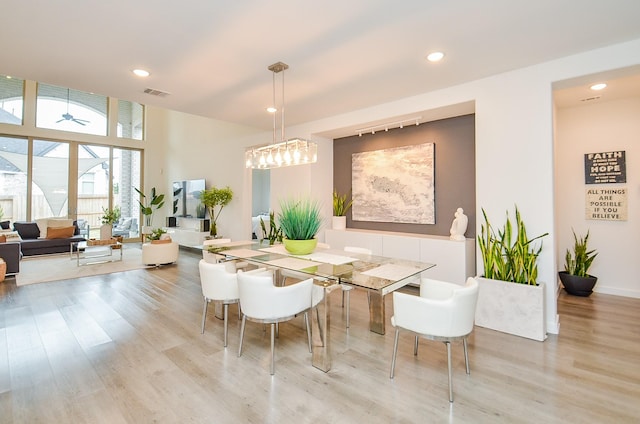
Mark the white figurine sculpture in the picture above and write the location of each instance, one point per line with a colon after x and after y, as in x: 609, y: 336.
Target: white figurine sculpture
x: 459, y: 226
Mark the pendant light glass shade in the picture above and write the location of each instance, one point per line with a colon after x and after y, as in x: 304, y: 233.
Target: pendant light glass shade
x: 280, y: 152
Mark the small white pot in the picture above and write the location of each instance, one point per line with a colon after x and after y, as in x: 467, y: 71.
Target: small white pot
x: 105, y: 231
x: 339, y: 222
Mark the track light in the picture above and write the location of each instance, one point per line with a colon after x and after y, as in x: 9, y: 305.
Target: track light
x: 386, y: 126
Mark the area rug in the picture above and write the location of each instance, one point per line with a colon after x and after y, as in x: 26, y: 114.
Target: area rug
x: 61, y: 267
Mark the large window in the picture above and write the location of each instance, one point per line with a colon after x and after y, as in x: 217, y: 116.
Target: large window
x: 13, y: 178
x: 63, y: 175
x: 11, y: 103
x: 130, y: 120
x: 50, y: 179
x: 60, y: 108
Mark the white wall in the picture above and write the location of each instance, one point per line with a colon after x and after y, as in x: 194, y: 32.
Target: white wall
x: 600, y: 127
x: 180, y: 146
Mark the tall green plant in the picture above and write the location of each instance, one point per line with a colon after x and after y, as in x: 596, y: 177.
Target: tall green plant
x: 340, y: 204
x: 299, y: 218
x: 147, y: 206
x: 215, y: 198
x: 579, y: 262
x: 507, y: 259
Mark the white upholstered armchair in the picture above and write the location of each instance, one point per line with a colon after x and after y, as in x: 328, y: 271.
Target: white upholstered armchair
x: 160, y: 254
x: 444, y: 312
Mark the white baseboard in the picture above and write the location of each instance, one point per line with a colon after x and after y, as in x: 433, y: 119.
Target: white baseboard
x: 617, y: 291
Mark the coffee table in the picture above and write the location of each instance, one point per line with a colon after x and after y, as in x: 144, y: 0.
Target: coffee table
x: 89, y: 254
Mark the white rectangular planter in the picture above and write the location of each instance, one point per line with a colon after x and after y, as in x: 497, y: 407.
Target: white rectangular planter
x: 512, y: 308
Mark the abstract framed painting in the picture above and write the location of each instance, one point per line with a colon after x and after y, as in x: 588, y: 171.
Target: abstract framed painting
x: 394, y: 185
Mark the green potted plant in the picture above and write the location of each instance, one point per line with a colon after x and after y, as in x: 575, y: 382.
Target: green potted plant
x: 510, y: 299
x: 156, y: 236
x: 108, y: 218
x: 340, y: 208
x: 300, y: 221
x: 216, y: 198
x: 274, y: 234
x: 148, y: 206
x: 575, y: 277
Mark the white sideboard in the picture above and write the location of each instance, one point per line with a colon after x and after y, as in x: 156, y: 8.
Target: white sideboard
x: 455, y: 260
x: 188, y: 233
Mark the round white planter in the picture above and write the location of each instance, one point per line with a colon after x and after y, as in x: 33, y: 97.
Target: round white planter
x: 338, y: 222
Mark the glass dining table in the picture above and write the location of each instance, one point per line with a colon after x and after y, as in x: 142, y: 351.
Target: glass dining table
x: 329, y: 268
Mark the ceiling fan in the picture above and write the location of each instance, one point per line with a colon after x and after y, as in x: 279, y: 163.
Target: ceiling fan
x: 68, y: 117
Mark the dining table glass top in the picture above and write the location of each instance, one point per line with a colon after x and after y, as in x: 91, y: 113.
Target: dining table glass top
x: 331, y: 266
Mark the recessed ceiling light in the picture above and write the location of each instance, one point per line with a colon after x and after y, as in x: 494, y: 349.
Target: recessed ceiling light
x: 272, y: 109
x: 435, y: 56
x: 141, y: 72
x: 599, y: 86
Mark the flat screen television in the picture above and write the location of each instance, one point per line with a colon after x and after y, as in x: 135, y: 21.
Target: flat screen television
x: 186, y: 198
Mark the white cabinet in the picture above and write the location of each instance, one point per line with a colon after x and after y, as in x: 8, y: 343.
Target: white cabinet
x: 455, y: 260
x: 188, y: 233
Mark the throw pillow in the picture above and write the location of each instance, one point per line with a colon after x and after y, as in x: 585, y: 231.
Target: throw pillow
x: 27, y: 230
x: 3, y: 239
x: 4, y: 225
x: 45, y: 223
x: 60, y: 232
x: 10, y: 235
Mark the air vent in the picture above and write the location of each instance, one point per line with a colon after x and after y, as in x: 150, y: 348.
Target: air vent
x: 154, y: 92
x: 588, y: 99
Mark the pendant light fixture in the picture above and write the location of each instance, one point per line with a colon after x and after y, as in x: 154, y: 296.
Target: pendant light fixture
x: 280, y: 152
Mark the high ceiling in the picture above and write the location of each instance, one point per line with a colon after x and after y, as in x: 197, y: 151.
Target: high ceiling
x: 212, y: 56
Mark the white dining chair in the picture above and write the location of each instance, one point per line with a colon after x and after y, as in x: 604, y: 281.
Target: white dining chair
x: 346, y: 289
x: 219, y: 284
x: 444, y: 312
x: 261, y: 301
x: 213, y: 257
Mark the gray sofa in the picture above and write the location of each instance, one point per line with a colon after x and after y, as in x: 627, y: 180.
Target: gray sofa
x: 32, y: 245
x: 10, y: 252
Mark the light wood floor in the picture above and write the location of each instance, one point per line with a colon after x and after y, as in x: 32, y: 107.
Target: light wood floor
x: 127, y: 348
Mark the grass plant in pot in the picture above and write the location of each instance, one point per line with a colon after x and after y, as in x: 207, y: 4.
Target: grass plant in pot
x: 299, y: 221
x: 510, y: 299
x: 575, y: 279
x: 340, y: 209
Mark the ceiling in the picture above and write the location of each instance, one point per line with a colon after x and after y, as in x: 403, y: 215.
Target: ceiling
x: 212, y: 56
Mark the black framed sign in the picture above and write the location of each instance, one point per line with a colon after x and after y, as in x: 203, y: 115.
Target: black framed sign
x: 605, y: 167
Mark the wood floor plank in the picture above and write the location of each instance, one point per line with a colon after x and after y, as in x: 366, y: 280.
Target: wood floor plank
x: 126, y: 348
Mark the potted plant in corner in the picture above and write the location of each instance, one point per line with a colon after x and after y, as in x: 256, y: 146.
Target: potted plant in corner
x: 147, y: 207
x: 300, y: 221
x: 340, y: 209
x: 575, y: 279
x: 108, y: 218
x: 215, y: 198
x: 510, y: 298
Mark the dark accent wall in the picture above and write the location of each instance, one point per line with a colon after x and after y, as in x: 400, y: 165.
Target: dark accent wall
x: 455, y: 170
